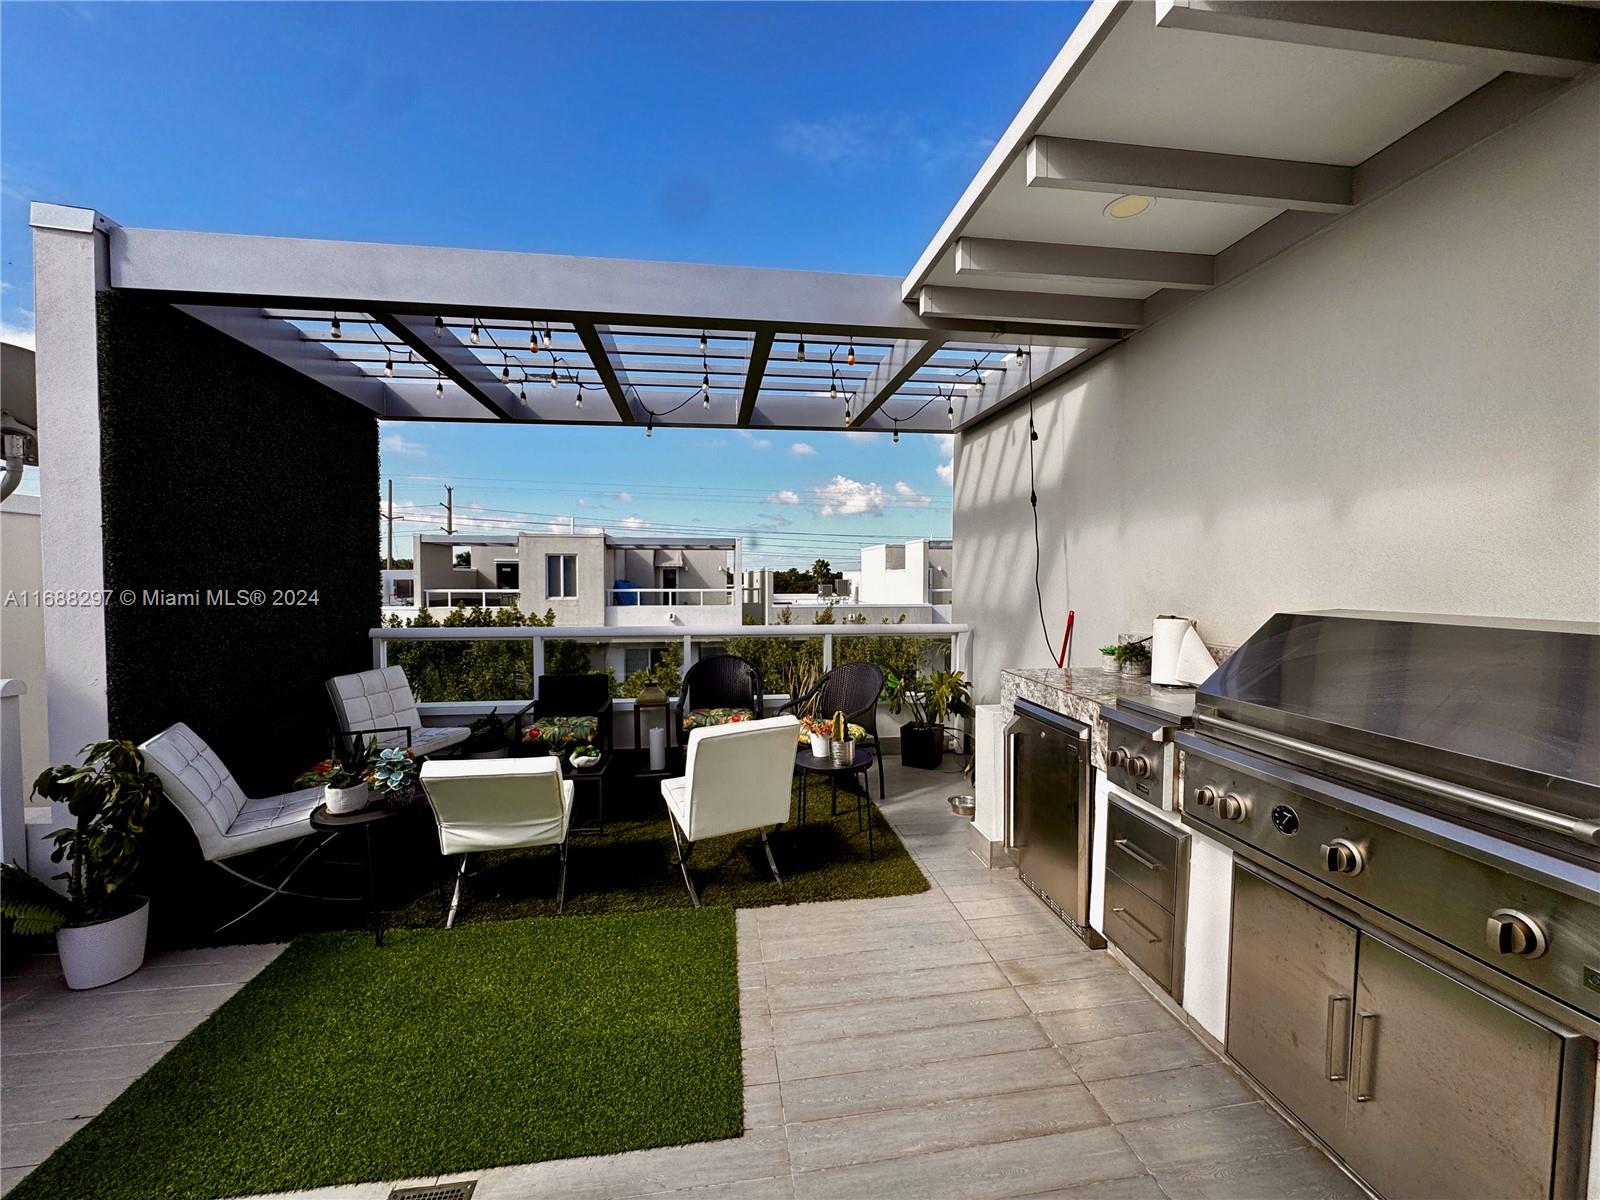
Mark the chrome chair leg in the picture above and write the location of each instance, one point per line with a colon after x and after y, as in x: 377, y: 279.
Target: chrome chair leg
x: 281, y: 888
x: 683, y: 859
x: 561, y: 886
x: 455, y: 896
x: 771, y: 862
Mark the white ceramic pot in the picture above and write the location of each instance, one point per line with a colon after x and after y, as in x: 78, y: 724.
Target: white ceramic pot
x: 584, y: 761
x: 1109, y: 664
x: 821, y: 745
x: 503, y: 752
x: 1135, y: 668
x: 94, y: 955
x: 346, y: 800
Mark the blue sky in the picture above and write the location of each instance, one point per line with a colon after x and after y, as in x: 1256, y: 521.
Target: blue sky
x: 815, y: 136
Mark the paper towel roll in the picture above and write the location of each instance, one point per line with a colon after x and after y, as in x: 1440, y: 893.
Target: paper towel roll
x: 658, y: 749
x: 1178, y: 655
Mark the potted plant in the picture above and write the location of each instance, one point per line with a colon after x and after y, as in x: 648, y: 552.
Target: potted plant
x: 820, y: 734
x: 391, y: 774
x: 931, y: 700
x: 343, y: 775
x: 1108, y: 660
x: 1134, y: 657
x: 487, y: 738
x: 584, y: 756
x: 100, y: 925
x: 843, y: 746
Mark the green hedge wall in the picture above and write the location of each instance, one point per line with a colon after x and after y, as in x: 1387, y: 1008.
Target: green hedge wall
x: 223, y: 470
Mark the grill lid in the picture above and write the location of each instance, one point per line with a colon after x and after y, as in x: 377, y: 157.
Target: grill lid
x: 1504, y: 706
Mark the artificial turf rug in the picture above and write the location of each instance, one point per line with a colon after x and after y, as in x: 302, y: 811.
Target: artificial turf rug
x: 442, y: 1052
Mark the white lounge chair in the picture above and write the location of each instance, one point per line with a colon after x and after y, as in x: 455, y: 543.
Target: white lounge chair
x: 498, y: 804
x: 736, y: 777
x: 226, y: 822
x: 381, y: 704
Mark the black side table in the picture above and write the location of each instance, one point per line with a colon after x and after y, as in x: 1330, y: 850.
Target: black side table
x: 595, y: 775
x: 336, y: 823
x: 806, y: 763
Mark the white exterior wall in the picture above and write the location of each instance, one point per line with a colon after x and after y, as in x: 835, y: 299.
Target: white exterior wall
x: 22, y: 624
x: 1402, y: 413
x: 880, y: 585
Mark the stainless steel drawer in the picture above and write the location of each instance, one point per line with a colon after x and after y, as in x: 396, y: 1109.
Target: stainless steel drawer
x: 1141, y: 929
x: 1147, y: 853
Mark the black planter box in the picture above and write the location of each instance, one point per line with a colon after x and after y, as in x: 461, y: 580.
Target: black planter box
x: 922, y: 746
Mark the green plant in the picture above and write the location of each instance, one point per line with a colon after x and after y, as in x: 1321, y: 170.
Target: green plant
x: 345, y: 767
x: 487, y: 733
x: 837, y: 730
x: 394, y: 770
x: 1137, y: 653
x: 1109, y: 651
x: 110, y: 796
x: 931, y: 698
x: 666, y: 673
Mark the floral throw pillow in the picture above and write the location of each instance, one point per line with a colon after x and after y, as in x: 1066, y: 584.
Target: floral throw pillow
x: 560, y: 732
x: 704, y: 718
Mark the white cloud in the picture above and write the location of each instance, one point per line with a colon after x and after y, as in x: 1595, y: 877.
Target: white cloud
x: 842, y: 497
x: 946, y: 471
x: 783, y: 497
x: 398, y: 443
x: 946, y: 442
x: 624, y: 496
x: 910, y: 495
x: 17, y: 335
x: 633, y: 522
x: 829, y: 141
x: 862, y: 435
x: 756, y: 443
x: 803, y: 449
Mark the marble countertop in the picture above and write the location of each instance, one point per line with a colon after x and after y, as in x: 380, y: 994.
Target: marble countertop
x: 1077, y: 693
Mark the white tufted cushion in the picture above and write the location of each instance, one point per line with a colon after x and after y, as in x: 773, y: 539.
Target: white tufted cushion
x: 224, y: 819
x: 383, y: 699
x: 737, y: 777
x: 498, y: 804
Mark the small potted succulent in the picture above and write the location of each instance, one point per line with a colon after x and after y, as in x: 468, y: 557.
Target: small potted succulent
x: 584, y: 756
x: 391, y: 775
x: 100, y: 924
x: 820, y: 734
x: 843, y: 746
x: 1134, y: 657
x: 1108, y: 660
x: 343, y: 775
x: 487, y: 738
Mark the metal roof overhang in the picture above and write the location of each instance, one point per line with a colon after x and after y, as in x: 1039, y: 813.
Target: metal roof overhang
x: 1251, y: 124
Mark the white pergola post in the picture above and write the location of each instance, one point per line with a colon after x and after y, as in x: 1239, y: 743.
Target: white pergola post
x: 70, y: 269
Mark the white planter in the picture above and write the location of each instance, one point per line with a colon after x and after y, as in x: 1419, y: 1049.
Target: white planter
x: 1135, y: 669
x: 1109, y: 664
x: 821, y: 745
x: 346, y: 800
x: 503, y: 752
x: 584, y: 761
x: 94, y: 955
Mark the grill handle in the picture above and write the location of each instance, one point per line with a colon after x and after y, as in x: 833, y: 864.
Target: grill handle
x: 1573, y: 827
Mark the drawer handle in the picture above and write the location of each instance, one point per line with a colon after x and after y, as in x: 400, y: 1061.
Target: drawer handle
x: 1138, y: 855
x: 1150, y: 935
x: 1366, y: 1053
x: 1337, y: 1037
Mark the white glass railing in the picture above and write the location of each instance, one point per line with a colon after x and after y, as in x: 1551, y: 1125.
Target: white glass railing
x: 669, y: 597
x: 481, y: 597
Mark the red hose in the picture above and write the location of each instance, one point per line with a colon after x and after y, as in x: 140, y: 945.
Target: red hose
x: 1066, y: 640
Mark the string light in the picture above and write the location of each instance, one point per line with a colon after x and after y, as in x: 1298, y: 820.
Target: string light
x: 522, y: 390
x: 438, y: 327
x: 473, y: 336
x: 850, y: 358
x: 950, y: 409
x: 578, y: 403
x: 533, y: 340
x: 1019, y: 357
x: 833, y: 388
x: 554, y: 382
x: 336, y: 331
x: 650, y: 427
x: 548, y: 340
x: 438, y: 386
x: 702, y: 342
x: 505, y: 373
x: 388, y: 363
x: 897, y: 433
x: 800, y: 351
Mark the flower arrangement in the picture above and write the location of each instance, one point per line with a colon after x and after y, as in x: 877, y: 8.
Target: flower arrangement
x: 345, y: 767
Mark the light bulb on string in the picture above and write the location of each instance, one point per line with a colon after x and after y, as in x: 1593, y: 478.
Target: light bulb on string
x: 578, y: 401
x: 702, y: 342
x: 850, y: 358
x: 800, y: 351
x: 335, y: 330
x: 548, y: 340
x: 388, y: 364
x: 438, y: 387
x: 554, y: 382
x: 533, y: 340
x: 650, y: 427
x: 473, y: 335
x: 1019, y: 357
x: 833, y: 389
x: 505, y: 373
x: 522, y: 392
x: 438, y: 327
x: 897, y: 435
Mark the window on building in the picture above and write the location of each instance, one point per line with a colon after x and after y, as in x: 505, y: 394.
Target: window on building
x: 635, y: 658
x: 560, y: 576
x: 507, y: 573
x: 894, y: 558
x: 461, y: 557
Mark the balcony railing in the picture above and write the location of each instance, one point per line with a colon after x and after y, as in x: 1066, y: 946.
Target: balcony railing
x: 482, y: 597
x: 669, y: 597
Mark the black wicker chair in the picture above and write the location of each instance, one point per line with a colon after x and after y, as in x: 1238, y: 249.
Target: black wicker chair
x: 722, y: 681
x: 853, y: 689
x: 572, y: 696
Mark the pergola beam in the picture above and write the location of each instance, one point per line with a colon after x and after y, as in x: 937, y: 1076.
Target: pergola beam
x: 1115, y: 168
x: 994, y: 258
x: 755, y: 371
x: 1556, y: 40
x: 903, y: 360
x: 454, y: 359
x: 987, y: 304
x: 602, y: 351
x: 281, y: 341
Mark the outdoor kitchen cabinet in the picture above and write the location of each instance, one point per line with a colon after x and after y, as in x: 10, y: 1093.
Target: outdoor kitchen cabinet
x: 1424, y: 1085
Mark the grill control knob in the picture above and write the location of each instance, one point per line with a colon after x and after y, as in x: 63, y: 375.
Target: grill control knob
x: 1233, y: 808
x: 1343, y: 857
x: 1117, y: 757
x: 1139, y: 765
x: 1205, y: 797
x: 1513, y: 932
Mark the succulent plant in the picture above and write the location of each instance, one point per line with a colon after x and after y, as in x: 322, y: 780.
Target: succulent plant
x: 839, y: 732
x: 392, y: 771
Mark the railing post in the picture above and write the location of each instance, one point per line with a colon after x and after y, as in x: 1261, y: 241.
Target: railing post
x: 827, y: 652
x: 538, y: 663
x: 688, y: 654
x: 380, y: 654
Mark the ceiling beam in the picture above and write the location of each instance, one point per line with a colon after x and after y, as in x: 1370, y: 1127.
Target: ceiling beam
x: 454, y: 359
x: 987, y: 304
x: 993, y: 258
x: 1558, y: 40
x: 1117, y: 168
x: 601, y: 348
x: 755, y: 371
x: 902, y: 361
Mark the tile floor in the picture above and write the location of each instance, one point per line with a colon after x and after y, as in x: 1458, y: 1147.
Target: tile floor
x: 961, y: 1043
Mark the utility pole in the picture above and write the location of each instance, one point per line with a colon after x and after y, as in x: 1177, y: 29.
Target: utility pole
x: 449, y: 509
x: 390, y: 519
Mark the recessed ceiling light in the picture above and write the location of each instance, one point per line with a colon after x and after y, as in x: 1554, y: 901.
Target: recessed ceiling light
x: 1124, y: 207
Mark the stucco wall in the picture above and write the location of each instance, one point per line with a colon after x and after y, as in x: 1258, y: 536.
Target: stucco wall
x: 1403, y: 413
x: 588, y: 607
x: 22, y: 646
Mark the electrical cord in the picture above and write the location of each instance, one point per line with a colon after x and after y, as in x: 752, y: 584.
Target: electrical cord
x: 1063, y: 657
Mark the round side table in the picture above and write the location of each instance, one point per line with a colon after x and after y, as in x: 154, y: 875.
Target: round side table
x: 336, y: 823
x: 806, y: 763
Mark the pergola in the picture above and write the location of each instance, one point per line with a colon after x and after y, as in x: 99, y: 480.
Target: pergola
x: 418, y: 333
